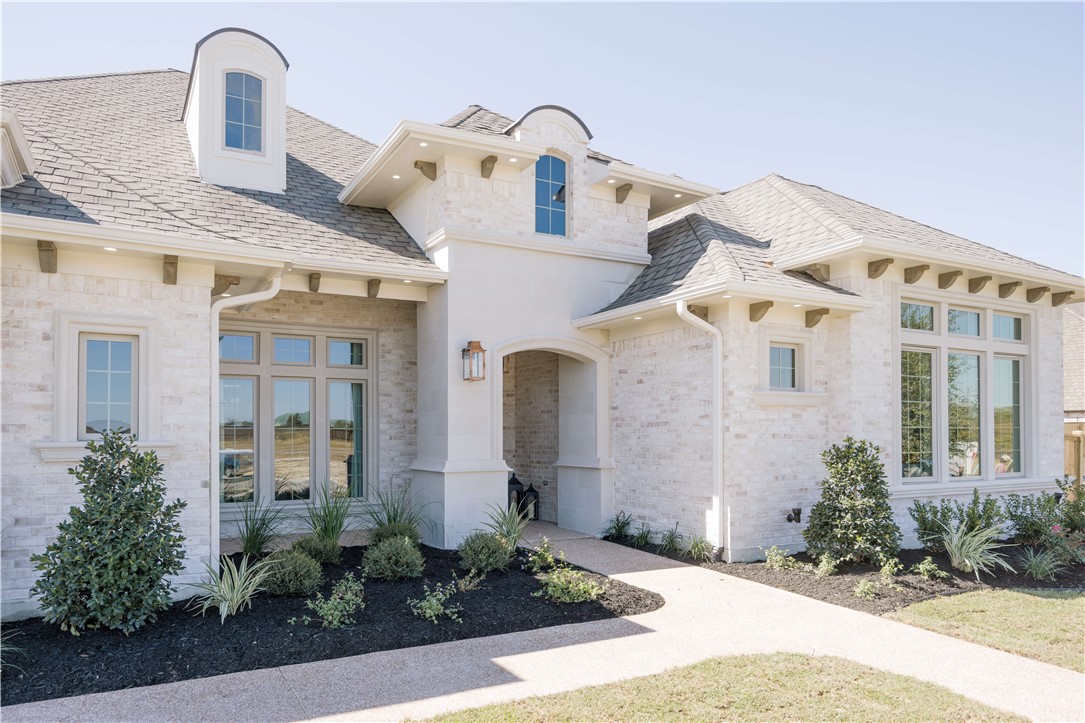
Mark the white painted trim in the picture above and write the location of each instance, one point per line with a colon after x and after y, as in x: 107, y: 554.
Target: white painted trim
x: 1001, y: 486
x: 75, y: 451
x: 158, y: 242
x: 636, y: 174
x: 803, y: 341
x: 17, y: 158
x: 544, y: 244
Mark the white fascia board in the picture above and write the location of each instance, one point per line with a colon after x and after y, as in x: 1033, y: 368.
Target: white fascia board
x: 415, y: 132
x: 635, y: 174
x: 713, y: 293
x: 551, y: 244
x: 76, y: 233
x: 897, y: 249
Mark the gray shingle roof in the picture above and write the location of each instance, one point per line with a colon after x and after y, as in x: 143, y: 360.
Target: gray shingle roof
x: 737, y: 235
x: 111, y: 149
x: 477, y: 119
x: 1073, y: 341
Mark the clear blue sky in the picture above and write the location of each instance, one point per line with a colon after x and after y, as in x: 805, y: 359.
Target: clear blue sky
x: 967, y: 117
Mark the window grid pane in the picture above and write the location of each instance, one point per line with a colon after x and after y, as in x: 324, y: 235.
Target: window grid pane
x: 108, y: 386
x: 917, y: 316
x: 1007, y: 395
x: 292, y: 351
x: 237, y: 439
x: 965, y: 323
x: 346, y: 353
x: 550, y: 196
x: 244, y: 112
x: 964, y: 415
x: 346, y: 415
x: 916, y: 414
x: 237, y: 347
x: 781, y: 367
x: 292, y: 445
x: 1007, y: 327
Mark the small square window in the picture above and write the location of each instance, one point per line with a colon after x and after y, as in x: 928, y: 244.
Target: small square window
x: 346, y: 353
x: 1007, y: 327
x: 782, y: 367
x: 293, y: 350
x: 964, y: 323
x: 237, y: 347
x: 916, y: 316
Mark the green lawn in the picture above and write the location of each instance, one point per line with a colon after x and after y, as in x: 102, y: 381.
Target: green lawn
x: 1047, y: 626
x: 750, y: 687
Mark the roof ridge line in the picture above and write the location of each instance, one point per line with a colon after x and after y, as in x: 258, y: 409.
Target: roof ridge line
x: 88, y: 76
x: 477, y: 109
x: 720, y: 271
x: 809, y: 206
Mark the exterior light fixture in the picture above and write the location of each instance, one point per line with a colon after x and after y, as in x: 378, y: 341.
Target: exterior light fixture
x: 611, y: 181
x: 678, y: 195
x: 396, y: 177
x: 474, y: 362
x: 423, y: 144
x: 797, y: 306
x: 108, y: 248
x: 513, y: 160
x: 796, y: 515
x: 727, y: 296
x: 406, y: 281
x: 637, y: 318
x: 227, y: 294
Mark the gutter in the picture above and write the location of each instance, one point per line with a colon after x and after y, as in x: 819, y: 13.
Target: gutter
x: 723, y: 537
x: 274, y: 285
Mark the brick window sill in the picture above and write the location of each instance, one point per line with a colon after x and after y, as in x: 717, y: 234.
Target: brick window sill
x: 76, y: 450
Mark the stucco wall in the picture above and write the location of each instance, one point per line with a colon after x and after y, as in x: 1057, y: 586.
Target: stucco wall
x: 38, y: 494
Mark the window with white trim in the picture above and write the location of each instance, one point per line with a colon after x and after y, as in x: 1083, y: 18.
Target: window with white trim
x: 550, y: 196
x: 108, y: 384
x: 244, y: 120
x: 783, y: 371
x: 962, y: 391
x: 294, y: 414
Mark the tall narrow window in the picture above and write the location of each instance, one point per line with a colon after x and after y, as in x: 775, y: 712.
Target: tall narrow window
x: 108, y: 385
x: 237, y: 439
x: 1007, y: 415
x: 292, y: 465
x: 346, y: 438
x: 550, y: 196
x: 964, y: 415
x: 244, y: 112
x: 916, y: 413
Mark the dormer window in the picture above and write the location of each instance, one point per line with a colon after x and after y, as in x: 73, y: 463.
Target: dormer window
x: 550, y: 196
x: 244, y: 112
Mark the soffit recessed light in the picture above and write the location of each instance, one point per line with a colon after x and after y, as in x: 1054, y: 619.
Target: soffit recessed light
x: 678, y: 195
x: 727, y: 296
x: 423, y: 144
x: 513, y: 160
x: 396, y: 177
x: 406, y: 281
x: 108, y: 248
x: 610, y: 181
x: 637, y: 318
x: 227, y: 294
x: 797, y: 306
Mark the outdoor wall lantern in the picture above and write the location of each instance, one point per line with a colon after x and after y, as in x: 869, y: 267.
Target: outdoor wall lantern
x: 474, y: 362
x: 796, y: 515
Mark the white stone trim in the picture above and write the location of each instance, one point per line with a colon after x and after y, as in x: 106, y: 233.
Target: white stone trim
x: 544, y: 243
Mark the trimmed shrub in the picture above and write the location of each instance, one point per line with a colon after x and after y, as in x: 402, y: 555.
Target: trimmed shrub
x: 109, y: 564
x: 1032, y: 516
x: 853, y: 519
x: 566, y: 585
x: 933, y: 518
x: 320, y: 549
x: 394, y: 559
x: 1072, y: 513
x: 484, y: 552
x: 292, y: 573
x: 380, y: 533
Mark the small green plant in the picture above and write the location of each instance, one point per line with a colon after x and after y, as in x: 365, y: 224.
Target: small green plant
x: 670, y: 542
x: 9, y: 649
x: 890, y: 569
x: 257, y: 527
x: 1072, y: 505
x: 931, y: 518
x: 325, y: 552
x: 865, y: 589
x: 484, y: 552
x: 434, y: 604
x: 642, y: 537
x: 470, y: 581
x: 566, y: 585
x: 1032, y: 516
x: 394, y: 508
x: 233, y: 590
x: 781, y: 561
x: 509, y: 524
x: 328, y: 516
x: 853, y: 519
x: 292, y: 573
x: 543, y: 558
x: 394, y: 559
x: 974, y: 550
x: 347, y: 599
x: 826, y: 566
x: 929, y: 569
x: 109, y: 565
x: 698, y: 548
x: 1067, y: 546
x: 394, y: 529
x: 1042, y: 565
x: 618, y: 527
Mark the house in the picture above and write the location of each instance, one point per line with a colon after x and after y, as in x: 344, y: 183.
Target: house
x: 279, y: 308
x: 1074, y: 390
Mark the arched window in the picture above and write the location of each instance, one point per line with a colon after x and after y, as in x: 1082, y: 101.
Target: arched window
x: 244, y: 112
x: 550, y: 196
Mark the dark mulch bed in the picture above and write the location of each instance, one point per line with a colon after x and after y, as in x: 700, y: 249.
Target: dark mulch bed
x: 839, y: 589
x: 181, y: 646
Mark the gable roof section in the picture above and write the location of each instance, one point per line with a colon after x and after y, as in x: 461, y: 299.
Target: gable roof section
x: 112, y: 151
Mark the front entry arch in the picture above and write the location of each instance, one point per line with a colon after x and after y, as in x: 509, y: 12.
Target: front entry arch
x: 582, y: 472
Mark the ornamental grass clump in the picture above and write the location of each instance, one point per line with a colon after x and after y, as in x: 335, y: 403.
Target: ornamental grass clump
x: 109, y: 565
x: 618, y: 527
x: 508, y: 523
x: 233, y: 590
x: 975, y: 550
x: 257, y: 527
x: 853, y: 520
x: 1042, y: 564
x: 328, y: 516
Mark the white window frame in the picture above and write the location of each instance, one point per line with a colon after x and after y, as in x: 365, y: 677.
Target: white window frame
x: 262, y: 153
x: 568, y: 161
x: 319, y: 372
x: 802, y: 341
x: 133, y: 404
x: 942, y: 343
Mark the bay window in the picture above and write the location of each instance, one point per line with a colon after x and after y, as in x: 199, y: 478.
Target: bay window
x: 961, y: 392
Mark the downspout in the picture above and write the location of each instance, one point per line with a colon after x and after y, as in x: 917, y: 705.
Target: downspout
x: 274, y: 285
x: 724, y: 539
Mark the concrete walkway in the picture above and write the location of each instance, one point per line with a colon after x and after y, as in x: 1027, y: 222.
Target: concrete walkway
x: 707, y: 615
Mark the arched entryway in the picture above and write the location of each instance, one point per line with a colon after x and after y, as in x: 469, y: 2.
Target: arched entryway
x: 551, y: 401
